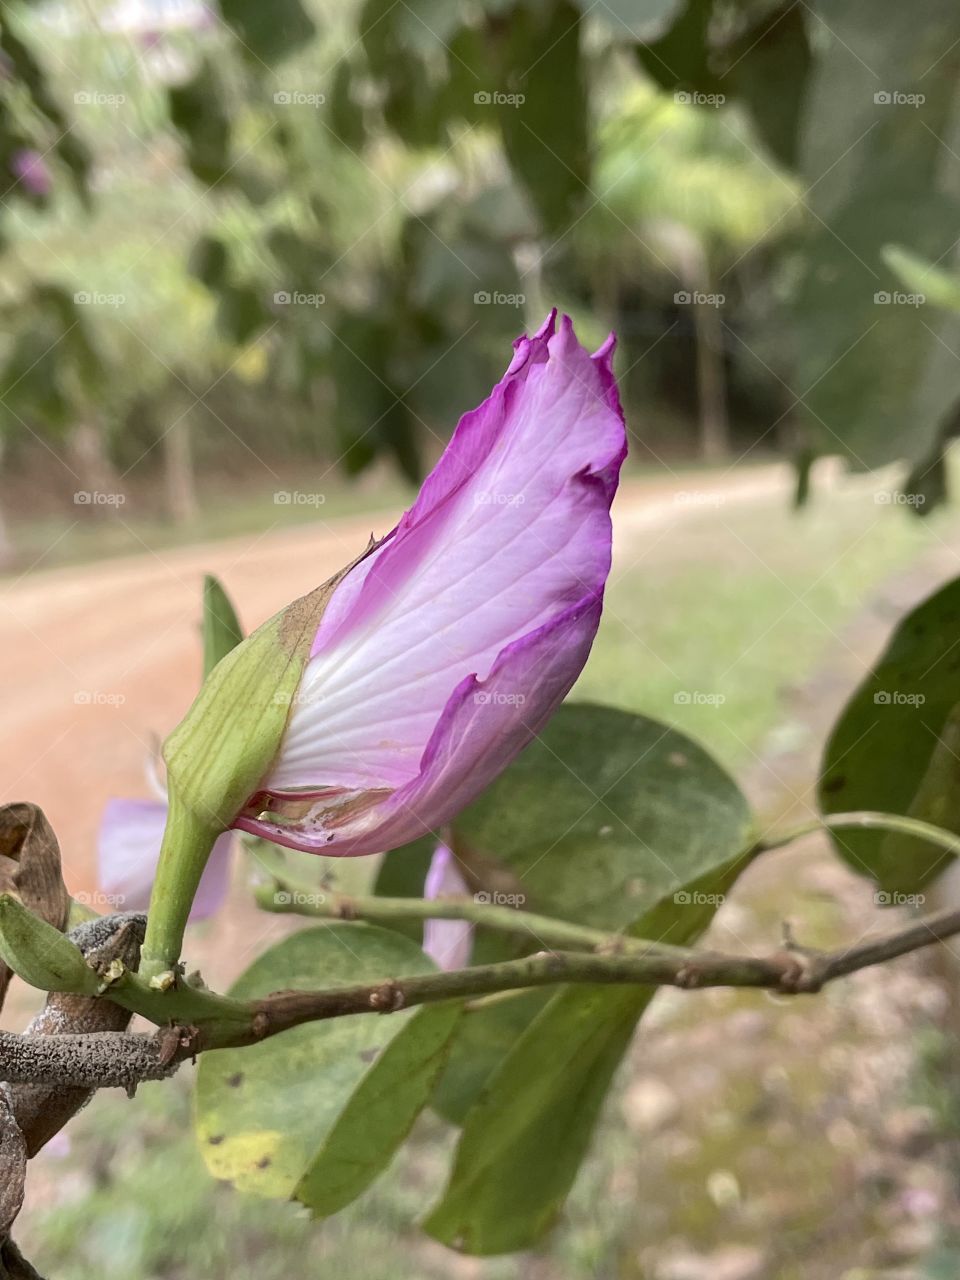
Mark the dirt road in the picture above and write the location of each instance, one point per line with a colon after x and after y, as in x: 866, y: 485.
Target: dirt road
x: 100, y: 659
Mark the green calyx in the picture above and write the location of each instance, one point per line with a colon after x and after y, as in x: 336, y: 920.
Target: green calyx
x: 218, y: 756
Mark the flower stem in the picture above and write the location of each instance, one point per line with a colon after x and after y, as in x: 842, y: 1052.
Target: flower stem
x: 548, y: 931
x: 187, y: 842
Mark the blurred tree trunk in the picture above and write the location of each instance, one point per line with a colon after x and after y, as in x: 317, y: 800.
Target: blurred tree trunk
x: 99, y: 483
x: 181, y: 488
x: 711, y: 377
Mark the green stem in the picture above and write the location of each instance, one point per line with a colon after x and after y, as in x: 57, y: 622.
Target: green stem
x: 866, y: 819
x: 187, y: 843
x: 549, y: 932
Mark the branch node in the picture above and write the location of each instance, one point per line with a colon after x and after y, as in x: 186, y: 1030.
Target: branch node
x: 387, y: 998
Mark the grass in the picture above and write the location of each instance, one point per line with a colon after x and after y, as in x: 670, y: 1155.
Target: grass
x: 737, y: 603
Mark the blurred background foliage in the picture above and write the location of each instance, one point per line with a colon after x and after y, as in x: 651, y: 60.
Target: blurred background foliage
x: 299, y: 237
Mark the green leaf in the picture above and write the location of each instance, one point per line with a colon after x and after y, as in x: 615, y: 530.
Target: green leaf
x: 877, y: 377
x: 533, y: 1122
x: 895, y: 747
x: 198, y: 111
x: 221, y: 626
x: 770, y: 66
x: 268, y: 32
x: 530, y: 1128
x: 316, y: 1113
x: 601, y: 838
x: 209, y: 261
x: 545, y: 135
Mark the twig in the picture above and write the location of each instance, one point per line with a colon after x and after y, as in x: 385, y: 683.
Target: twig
x: 546, y: 930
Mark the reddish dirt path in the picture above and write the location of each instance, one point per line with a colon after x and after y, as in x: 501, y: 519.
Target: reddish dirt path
x: 98, y: 659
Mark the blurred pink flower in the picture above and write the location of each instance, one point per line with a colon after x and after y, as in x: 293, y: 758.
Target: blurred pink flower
x: 448, y: 943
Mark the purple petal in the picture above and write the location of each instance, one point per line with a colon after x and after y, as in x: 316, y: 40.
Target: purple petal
x: 448, y: 943
x: 129, y: 849
x: 504, y: 553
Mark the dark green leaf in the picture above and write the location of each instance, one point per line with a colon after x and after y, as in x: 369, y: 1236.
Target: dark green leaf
x: 876, y: 376
x: 530, y: 1126
x: 601, y: 838
x: 895, y: 747
x: 268, y: 32
x: 199, y: 112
